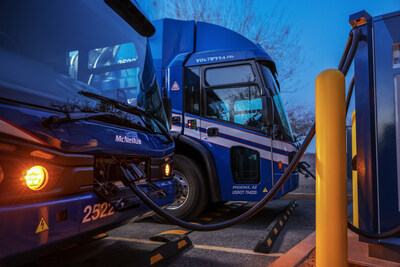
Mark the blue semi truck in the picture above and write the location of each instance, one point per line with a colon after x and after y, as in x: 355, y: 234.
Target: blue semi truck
x: 78, y: 99
x: 232, y: 135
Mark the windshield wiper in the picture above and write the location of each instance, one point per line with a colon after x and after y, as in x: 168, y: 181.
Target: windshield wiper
x: 55, y: 120
x: 130, y: 109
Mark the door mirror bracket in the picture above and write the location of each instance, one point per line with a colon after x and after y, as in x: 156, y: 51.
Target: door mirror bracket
x: 268, y: 113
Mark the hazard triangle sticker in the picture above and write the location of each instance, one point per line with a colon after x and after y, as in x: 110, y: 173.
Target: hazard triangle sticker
x: 175, y: 86
x: 42, y: 226
x: 265, y: 190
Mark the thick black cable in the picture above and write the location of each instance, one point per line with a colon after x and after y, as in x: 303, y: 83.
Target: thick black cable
x: 343, y: 66
x: 391, y: 233
x: 351, y: 52
x: 349, y: 93
x: 346, y: 50
x: 239, y: 219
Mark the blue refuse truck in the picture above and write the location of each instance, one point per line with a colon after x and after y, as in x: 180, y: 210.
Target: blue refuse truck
x: 79, y: 104
x: 232, y: 135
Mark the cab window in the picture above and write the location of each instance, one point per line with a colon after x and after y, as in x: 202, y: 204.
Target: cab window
x: 192, y: 90
x: 229, y: 75
x: 240, y: 105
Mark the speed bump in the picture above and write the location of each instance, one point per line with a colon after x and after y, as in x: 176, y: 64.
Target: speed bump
x: 168, y: 250
x: 265, y: 245
x: 169, y: 235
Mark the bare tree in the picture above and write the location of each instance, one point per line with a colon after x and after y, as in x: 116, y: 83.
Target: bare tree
x: 272, y: 28
x: 301, y: 119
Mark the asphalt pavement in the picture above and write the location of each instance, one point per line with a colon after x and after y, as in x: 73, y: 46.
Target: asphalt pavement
x: 130, y: 245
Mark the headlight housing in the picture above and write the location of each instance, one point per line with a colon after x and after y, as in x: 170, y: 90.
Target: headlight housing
x: 36, y: 177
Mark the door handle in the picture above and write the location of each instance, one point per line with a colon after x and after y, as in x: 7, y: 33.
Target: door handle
x: 212, y: 131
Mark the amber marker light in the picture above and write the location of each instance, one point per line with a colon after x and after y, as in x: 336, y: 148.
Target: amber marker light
x: 41, y: 154
x: 167, y: 169
x: 280, y: 166
x: 36, y: 177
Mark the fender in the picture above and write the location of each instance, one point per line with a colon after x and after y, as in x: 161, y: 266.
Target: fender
x: 209, y: 164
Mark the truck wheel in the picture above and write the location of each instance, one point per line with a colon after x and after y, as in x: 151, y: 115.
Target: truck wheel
x: 191, y: 191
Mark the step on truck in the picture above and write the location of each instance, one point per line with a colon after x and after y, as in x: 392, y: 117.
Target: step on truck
x: 78, y: 99
x: 232, y: 135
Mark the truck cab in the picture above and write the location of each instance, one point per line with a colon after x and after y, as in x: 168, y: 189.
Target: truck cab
x: 79, y: 99
x: 233, y: 137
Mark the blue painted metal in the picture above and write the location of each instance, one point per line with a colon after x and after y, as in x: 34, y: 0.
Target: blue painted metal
x: 377, y: 111
x: 187, y: 43
x: 37, y: 81
x: 21, y: 221
x: 181, y: 44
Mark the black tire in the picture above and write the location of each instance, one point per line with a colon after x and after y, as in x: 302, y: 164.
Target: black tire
x: 186, y: 171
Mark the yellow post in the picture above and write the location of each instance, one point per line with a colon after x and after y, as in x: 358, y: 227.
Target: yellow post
x: 355, y: 182
x: 331, y: 199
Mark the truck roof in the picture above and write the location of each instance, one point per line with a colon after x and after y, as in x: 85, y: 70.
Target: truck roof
x: 178, y: 42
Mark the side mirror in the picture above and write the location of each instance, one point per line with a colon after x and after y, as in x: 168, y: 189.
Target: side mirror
x: 268, y: 113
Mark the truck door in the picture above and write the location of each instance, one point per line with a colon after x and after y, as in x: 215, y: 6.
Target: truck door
x: 232, y: 129
x: 282, y: 143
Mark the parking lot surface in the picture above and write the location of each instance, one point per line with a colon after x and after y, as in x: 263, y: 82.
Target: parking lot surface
x: 130, y: 245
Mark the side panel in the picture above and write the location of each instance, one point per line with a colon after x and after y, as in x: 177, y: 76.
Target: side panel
x: 220, y: 146
x: 365, y: 125
x: 387, y: 34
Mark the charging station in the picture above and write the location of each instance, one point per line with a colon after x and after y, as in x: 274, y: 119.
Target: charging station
x: 377, y: 100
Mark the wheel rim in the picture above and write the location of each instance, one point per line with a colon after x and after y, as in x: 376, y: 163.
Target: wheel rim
x: 181, y: 191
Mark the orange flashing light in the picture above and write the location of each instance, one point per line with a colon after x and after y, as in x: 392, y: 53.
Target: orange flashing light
x: 167, y: 170
x: 41, y: 154
x: 36, y: 177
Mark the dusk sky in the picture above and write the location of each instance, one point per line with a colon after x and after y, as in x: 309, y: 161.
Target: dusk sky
x: 324, y: 31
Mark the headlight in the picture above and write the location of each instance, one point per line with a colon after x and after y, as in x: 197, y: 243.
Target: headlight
x: 36, y: 177
x: 167, y: 169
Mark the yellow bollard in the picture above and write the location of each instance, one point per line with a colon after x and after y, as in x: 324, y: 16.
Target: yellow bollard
x: 331, y: 199
x: 355, y: 182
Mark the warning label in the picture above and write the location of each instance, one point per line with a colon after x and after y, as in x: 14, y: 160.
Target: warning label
x: 175, y: 86
x: 265, y: 190
x: 42, y: 226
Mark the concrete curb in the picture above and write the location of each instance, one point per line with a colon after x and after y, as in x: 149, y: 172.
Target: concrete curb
x: 357, y: 253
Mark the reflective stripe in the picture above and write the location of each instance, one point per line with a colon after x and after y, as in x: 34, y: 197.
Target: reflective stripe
x: 281, y: 145
x: 192, y: 133
x: 227, y: 142
x: 176, y: 128
x: 11, y: 129
x: 265, y: 154
x: 238, y: 133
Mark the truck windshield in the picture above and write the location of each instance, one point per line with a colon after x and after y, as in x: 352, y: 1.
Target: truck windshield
x: 51, y: 50
x: 282, y: 116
